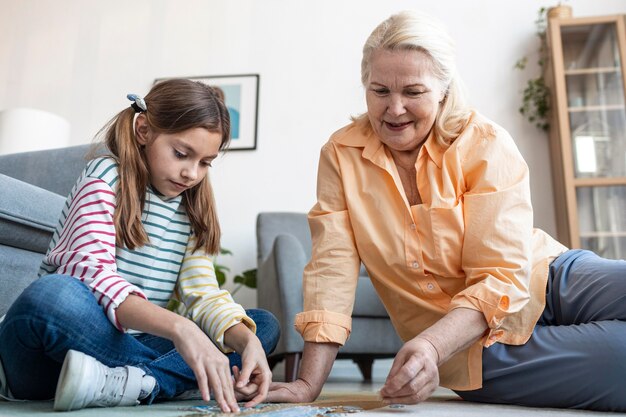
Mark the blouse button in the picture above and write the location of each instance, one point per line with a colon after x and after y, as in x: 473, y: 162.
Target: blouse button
x: 413, y: 227
x: 430, y: 286
x: 415, y: 264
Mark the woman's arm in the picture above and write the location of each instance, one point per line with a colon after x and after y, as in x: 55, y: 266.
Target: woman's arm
x: 209, y: 365
x: 317, y: 361
x: 414, y: 374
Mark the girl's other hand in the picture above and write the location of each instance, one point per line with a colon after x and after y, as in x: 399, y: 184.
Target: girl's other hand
x: 253, y: 381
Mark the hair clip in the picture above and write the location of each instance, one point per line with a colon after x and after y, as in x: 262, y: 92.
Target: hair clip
x: 139, y: 105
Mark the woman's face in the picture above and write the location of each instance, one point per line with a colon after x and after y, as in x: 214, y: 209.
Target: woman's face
x: 403, y: 97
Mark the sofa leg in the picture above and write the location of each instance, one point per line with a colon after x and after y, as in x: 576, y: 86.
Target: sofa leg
x: 292, y: 365
x: 273, y: 360
x: 365, y: 366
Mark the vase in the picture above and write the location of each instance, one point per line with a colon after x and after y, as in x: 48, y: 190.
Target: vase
x: 560, y: 12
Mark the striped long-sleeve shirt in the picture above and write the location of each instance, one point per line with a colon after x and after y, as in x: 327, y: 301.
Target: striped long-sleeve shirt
x: 83, y: 246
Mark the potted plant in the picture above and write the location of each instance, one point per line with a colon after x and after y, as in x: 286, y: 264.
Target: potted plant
x: 246, y: 279
x: 536, y: 95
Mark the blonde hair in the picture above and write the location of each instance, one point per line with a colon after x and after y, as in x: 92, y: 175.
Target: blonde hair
x: 172, y: 106
x: 416, y: 31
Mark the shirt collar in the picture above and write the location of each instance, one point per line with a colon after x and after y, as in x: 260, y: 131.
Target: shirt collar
x: 434, y: 149
x: 360, y: 135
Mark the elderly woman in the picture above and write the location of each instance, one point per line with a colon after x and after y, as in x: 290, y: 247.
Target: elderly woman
x: 434, y: 200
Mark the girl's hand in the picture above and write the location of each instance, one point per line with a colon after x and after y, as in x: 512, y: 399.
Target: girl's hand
x: 253, y: 381
x: 209, y: 365
x: 414, y: 375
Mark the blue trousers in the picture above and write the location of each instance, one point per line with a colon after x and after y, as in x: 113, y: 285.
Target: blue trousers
x: 57, y: 313
x: 576, y: 356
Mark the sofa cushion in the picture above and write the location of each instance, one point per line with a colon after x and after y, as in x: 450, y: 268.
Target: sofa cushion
x: 28, y: 215
x: 54, y: 170
x: 19, y: 269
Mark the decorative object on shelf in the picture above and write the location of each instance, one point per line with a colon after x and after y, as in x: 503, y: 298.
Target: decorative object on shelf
x: 536, y: 95
x: 26, y: 129
x: 246, y: 279
x: 560, y: 11
x: 241, y: 95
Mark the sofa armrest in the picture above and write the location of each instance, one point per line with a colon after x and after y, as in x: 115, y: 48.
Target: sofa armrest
x: 28, y: 215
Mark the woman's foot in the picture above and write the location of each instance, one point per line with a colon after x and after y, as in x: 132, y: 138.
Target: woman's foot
x: 85, y: 382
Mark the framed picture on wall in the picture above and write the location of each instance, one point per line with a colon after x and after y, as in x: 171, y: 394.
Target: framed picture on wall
x: 241, y: 95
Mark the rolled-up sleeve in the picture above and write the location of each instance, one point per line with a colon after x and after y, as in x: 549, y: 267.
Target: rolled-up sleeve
x: 498, y: 218
x: 330, y: 277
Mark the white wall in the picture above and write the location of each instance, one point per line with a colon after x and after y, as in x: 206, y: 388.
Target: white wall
x: 79, y: 58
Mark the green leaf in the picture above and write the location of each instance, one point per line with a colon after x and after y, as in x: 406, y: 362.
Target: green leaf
x: 247, y: 278
x: 220, y: 275
x: 172, y: 304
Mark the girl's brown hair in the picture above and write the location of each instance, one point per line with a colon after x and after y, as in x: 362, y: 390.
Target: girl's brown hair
x: 172, y: 106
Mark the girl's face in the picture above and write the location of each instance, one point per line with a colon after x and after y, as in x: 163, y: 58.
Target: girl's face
x: 179, y: 161
x: 403, y: 97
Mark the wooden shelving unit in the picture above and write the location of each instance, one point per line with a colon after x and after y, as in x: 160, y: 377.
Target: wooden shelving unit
x: 588, y: 132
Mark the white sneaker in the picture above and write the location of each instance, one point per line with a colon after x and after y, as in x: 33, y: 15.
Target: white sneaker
x: 85, y: 382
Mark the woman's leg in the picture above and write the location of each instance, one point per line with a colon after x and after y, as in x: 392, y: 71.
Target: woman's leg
x: 576, y: 366
x: 576, y: 356
x: 583, y: 287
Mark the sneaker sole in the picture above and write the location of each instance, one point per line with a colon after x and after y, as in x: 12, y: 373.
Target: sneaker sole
x: 69, y: 381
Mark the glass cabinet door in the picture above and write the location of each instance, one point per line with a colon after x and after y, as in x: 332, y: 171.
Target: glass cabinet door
x: 595, y: 100
x: 594, y: 81
x: 602, y: 220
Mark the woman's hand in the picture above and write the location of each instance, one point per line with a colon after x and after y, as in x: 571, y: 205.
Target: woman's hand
x: 414, y: 375
x: 253, y: 381
x: 298, y: 391
x: 209, y: 365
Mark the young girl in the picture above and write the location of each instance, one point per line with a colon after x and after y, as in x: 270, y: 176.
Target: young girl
x: 137, y: 232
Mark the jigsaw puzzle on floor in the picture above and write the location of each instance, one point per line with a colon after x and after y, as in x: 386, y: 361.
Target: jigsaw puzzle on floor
x: 276, y: 410
x: 323, y: 409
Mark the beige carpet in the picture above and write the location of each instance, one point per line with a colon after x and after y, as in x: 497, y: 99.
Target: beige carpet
x: 443, y: 404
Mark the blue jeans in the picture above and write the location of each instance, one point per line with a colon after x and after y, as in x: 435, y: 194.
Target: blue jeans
x: 57, y: 313
x: 576, y: 356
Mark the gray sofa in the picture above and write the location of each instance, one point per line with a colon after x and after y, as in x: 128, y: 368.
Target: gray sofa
x: 33, y: 186
x: 284, y: 248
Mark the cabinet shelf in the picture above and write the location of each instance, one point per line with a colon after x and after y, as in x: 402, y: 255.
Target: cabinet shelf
x: 599, y: 181
x: 606, y: 107
x: 587, y: 71
x: 588, y: 235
